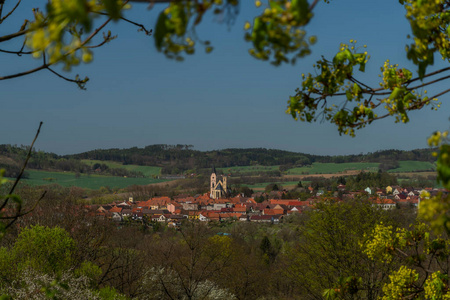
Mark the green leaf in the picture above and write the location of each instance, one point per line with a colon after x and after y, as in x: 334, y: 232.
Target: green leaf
x: 259, y: 27
x: 300, y: 11
x: 362, y: 67
x: 179, y: 18
x: 112, y: 8
x: 396, y: 93
x: 408, y: 96
x: 348, y: 55
x: 356, y: 89
x: 275, y: 5
x: 349, y: 95
x: 339, y: 57
x: 329, y: 294
x: 160, y: 30
x: 422, y: 69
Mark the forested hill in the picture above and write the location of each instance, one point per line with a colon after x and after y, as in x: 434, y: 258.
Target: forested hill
x: 184, y: 157
x: 178, y: 158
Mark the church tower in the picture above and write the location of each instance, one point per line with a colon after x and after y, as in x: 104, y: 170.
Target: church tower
x: 224, y: 183
x: 213, y: 182
x: 219, y: 188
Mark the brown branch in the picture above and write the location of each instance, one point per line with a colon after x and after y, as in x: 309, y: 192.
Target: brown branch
x: 428, y: 83
x: 47, y: 65
x: 101, y: 44
x: 13, y: 35
x: 10, y: 13
x: 18, y: 215
x: 143, y: 28
x: 147, y: 32
x: 77, y: 81
x: 429, y: 74
x: 19, y: 53
x: 440, y: 94
x: 311, y: 7
x: 24, y: 73
x: 11, y: 191
x: 353, y: 79
x: 368, y: 121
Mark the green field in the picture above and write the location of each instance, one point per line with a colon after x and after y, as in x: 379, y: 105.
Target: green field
x: 249, y: 169
x: 261, y: 186
x: 413, y: 166
x: 84, y: 181
x: 332, y: 168
x: 146, y: 170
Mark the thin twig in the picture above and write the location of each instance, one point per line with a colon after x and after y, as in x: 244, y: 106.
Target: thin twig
x: 13, y: 35
x: 17, y: 52
x: 47, y: 65
x: 147, y: 31
x: 428, y: 83
x: 10, y: 13
x: 311, y: 7
x: 429, y: 74
x: 63, y: 77
x: 11, y: 191
x: 440, y: 94
x: 24, y: 73
x: 18, y: 215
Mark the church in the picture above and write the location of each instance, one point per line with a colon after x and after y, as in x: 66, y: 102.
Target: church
x: 219, y: 188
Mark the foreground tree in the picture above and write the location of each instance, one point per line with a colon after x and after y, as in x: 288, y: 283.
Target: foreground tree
x: 330, y: 251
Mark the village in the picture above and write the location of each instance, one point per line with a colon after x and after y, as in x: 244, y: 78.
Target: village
x: 218, y: 206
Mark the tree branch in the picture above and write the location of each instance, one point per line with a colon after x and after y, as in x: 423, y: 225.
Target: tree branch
x: 13, y: 35
x: 10, y: 13
x: 428, y: 83
x: 79, y: 82
x: 18, y: 214
x: 19, y: 53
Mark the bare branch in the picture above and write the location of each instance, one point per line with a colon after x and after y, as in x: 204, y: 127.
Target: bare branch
x: 19, y: 53
x: 10, y: 13
x: 11, y: 191
x: 19, y: 214
x: 79, y: 82
x: 13, y: 35
x: 440, y: 94
x: 311, y: 7
x: 24, y: 73
x: 428, y: 83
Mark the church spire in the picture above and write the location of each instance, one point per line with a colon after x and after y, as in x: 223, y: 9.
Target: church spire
x: 213, y: 170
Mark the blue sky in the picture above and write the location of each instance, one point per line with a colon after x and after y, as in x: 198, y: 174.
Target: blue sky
x: 137, y: 97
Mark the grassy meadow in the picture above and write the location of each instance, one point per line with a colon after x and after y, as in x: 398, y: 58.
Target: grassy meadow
x: 333, y: 168
x: 84, y: 181
x: 249, y: 169
x: 148, y: 171
x: 413, y: 166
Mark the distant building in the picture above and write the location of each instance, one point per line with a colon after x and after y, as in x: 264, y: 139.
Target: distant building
x: 219, y: 188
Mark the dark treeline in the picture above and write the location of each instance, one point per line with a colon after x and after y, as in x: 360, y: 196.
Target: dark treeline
x: 183, y: 157
x: 176, y: 159
x: 12, y: 158
x: 372, y: 180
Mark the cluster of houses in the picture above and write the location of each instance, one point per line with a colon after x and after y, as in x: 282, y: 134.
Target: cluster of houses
x: 206, y: 208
